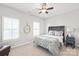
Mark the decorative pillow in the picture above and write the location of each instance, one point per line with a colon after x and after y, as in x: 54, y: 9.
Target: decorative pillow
x: 51, y: 32
x: 58, y: 33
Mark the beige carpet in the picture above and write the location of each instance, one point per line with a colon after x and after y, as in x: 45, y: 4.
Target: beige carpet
x: 33, y: 50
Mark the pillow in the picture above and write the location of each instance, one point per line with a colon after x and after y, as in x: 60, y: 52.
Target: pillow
x: 51, y: 32
x: 58, y: 33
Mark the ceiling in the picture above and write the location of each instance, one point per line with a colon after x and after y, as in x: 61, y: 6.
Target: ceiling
x: 32, y: 8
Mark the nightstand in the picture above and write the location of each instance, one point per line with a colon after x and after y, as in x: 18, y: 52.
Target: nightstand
x: 70, y: 41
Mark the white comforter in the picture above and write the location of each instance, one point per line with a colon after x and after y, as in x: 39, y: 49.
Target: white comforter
x: 49, y: 42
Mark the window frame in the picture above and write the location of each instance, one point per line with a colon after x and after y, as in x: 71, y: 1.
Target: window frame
x: 2, y: 22
x: 37, y: 29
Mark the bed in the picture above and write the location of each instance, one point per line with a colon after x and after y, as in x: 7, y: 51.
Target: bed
x: 50, y: 41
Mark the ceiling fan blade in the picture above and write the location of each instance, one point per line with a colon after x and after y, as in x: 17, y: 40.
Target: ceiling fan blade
x: 50, y: 8
x: 39, y: 12
x: 46, y: 12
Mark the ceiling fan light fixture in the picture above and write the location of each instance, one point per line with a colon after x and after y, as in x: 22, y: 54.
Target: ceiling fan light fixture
x: 44, y: 10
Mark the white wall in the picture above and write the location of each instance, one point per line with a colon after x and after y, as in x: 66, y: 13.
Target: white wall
x: 24, y: 19
x: 70, y: 19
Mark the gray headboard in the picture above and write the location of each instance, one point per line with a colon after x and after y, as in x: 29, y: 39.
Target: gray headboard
x: 58, y: 28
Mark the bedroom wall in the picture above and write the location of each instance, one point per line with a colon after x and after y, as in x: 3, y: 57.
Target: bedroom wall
x: 69, y: 19
x: 24, y: 19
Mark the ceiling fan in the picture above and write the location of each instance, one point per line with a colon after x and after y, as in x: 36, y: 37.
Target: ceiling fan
x: 45, y: 8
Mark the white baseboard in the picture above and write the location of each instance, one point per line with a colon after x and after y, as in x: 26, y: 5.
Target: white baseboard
x: 21, y: 44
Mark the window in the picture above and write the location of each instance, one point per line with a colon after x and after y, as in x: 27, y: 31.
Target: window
x: 10, y: 28
x: 36, y: 28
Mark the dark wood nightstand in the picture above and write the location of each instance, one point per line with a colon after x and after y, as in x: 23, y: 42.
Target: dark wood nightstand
x: 70, y: 41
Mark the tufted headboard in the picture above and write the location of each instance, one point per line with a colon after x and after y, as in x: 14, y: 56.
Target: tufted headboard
x: 58, y: 28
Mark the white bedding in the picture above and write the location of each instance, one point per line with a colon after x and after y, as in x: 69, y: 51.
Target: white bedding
x: 49, y: 42
x: 60, y: 38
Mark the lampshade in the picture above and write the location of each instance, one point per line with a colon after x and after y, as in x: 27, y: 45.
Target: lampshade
x: 70, y: 31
